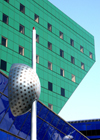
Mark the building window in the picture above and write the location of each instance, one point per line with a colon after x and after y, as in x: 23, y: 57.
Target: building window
x: 37, y: 38
x: 61, y: 35
x: 62, y: 92
x: 4, y: 41
x: 50, y: 46
x: 61, y: 53
x: 21, y: 29
x: 21, y: 50
x: 72, y: 60
x: 22, y: 8
x: 72, y: 42
x: 62, y: 72
x: 82, y: 65
x: 49, y: 27
x: 90, y: 54
x: 3, y: 65
x: 37, y: 59
x: 37, y: 18
x: 50, y: 86
x: 7, y: 1
x: 50, y: 106
x: 5, y: 18
x: 81, y: 49
x: 49, y: 65
x: 73, y: 78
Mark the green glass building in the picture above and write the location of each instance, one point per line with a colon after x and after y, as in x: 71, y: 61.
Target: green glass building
x: 65, y: 51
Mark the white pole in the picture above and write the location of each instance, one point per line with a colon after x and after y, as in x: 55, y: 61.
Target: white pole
x: 34, y: 104
x: 34, y: 49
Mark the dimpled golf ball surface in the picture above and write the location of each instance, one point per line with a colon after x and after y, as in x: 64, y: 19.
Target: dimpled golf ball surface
x: 23, y: 88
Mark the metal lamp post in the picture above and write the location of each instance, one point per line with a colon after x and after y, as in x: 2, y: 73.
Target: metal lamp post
x: 24, y: 89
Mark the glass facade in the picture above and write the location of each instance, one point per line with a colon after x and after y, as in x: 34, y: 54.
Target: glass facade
x: 49, y: 125
x: 90, y: 128
x: 52, y: 26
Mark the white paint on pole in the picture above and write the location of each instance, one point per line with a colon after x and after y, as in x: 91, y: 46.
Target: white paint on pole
x: 34, y: 121
x: 34, y: 49
x: 34, y: 104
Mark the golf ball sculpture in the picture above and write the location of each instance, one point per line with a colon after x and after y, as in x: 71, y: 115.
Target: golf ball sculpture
x: 23, y: 88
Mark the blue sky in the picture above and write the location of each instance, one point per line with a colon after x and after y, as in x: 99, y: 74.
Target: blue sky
x: 84, y: 104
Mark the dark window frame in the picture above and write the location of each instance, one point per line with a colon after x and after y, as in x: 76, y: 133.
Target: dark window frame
x: 6, y: 41
x: 37, y: 38
x: 21, y: 29
x: 49, y: 27
x: 7, y: 1
x: 50, y: 46
x: 37, y: 59
x: 50, y: 86
x: 61, y: 53
x: 82, y: 66
x: 63, y: 92
x: 90, y: 55
x: 3, y: 65
x: 81, y: 49
x: 61, y: 35
x: 36, y: 18
x: 21, y: 50
x: 62, y: 72
x: 72, y: 42
x: 72, y: 60
x: 5, y: 19
x: 22, y: 8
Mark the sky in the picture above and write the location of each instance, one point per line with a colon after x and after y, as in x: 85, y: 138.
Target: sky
x: 84, y: 104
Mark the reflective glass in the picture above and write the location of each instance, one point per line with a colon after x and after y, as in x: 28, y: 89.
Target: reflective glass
x: 5, y: 136
x: 39, y: 107
x: 55, y: 121
x: 43, y: 112
x: 7, y: 120
x: 49, y: 133
x: 6, y: 90
x: 18, y: 123
x: 26, y: 127
x: 65, y: 128
x: 50, y: 116
x: 3, y: 82
x: 3, y: 106
x: 60, y: 124
x: 43, y: 129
